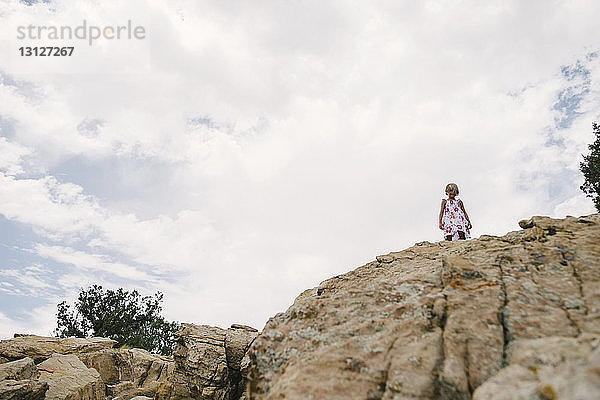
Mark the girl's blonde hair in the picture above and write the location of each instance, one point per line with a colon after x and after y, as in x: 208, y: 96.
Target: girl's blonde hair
x: 452, y: 187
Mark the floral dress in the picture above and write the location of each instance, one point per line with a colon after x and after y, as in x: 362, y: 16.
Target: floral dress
x: 454, y: 220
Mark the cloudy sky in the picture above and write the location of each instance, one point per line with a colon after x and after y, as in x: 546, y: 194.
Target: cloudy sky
x: 244, y: 151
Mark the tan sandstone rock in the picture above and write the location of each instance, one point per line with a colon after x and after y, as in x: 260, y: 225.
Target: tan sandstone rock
x: 208, y: 363
x: 69, y: 379
x: 19, y: 370
x: 556, y: 368
x: 212, y: 365
x: 511, y: 317
x: 40, y: 348
x: 27, y: 389
x: 18, y: 381
x: 129, y: 372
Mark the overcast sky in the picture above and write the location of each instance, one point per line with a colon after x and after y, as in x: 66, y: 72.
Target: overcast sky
x: 244, y: 151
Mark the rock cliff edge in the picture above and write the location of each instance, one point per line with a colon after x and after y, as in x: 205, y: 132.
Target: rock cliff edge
x: 511, y: 317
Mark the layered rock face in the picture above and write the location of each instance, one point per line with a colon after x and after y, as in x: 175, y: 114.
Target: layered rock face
x: 68, y: 378
x: 19, y: 380
x: 511, y: 317
x: 209, y: 363
x: 127, y: 373
x: 40, y: 348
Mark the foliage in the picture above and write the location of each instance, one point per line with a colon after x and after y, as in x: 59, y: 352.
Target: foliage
x: 127, y: 317
x: 590, y: 167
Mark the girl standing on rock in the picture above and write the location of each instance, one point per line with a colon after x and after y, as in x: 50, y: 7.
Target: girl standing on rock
x: 454, y: 220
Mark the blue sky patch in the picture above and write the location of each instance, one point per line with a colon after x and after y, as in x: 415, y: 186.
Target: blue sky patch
x: 570, y: 98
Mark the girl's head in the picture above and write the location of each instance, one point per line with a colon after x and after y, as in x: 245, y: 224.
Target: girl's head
x: 452, y: 189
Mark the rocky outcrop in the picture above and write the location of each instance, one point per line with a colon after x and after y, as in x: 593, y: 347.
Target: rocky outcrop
x: 40, y: 348
x: 208, y: 363
x: 129, y: 373
x: 27, y: 389
x: 69, y: 379
x: 511, y: 317
x: 19, y: 370
x: 18, y: 380
x: 79, y: 369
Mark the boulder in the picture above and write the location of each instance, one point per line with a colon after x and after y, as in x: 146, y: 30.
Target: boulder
x: 208, y: 363
x: 27, y: 389
x: 40, y: 348
x: 19, y: 370
x: 511, y: 317
x: 69, y: 379
x: 18, y: 381
x: 130, y: 372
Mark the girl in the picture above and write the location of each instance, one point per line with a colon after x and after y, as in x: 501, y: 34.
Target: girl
x: 454, y: 220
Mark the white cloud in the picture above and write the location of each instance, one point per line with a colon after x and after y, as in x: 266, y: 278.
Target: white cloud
x: 282, y: 144
x: 39, y: 321
x: 11, y: 155
x: 26, y: 277
x: 93, y: 263
x: 575, y: 206
x: 48, y: 204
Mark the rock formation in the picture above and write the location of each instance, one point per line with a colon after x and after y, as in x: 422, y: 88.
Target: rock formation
x: 18, y: 380
x: 18, y: 370
x: 511, y: 317
x: 77, y: 369
x: 24, y: 389
x: 127, y: 373
x: 208, y: 364
x: 68, y: 378
x: 40, y: 348
x: 514, y: 317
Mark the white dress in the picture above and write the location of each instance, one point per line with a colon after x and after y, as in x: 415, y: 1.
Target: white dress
x: 454, y: 220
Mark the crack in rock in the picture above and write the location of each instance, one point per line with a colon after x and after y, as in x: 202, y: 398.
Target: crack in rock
x: 503, y: 315
x: 567, y: 257
x: 438, y: 368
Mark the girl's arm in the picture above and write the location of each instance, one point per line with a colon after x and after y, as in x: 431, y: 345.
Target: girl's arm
x: 465, y: 212
x: 442, y: 213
